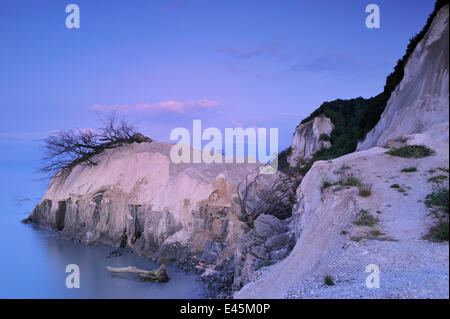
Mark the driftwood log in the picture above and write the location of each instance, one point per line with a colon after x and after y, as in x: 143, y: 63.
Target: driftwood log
x: 159, y: 275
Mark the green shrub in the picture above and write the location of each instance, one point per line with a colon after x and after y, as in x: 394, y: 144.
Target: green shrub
x: 324, y: 137
x: 438, y: 232
x: 329, y: 280
x: 283, y: 164
x: 350, y: 181
x: 327, y: 184
x: 304, y: 166
x: 411, y: 151
x: 356, y: 238
x: 366, y: 219
x: 438, y: 199
x: 409, y: 169
x: 376, y: 233
x: 268, y: 263
x: 437, y: 179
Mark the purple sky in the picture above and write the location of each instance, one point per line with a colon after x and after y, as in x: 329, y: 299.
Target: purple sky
x: 164, y: 63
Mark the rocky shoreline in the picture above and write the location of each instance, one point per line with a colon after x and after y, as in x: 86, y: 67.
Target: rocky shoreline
x: 270, y: 241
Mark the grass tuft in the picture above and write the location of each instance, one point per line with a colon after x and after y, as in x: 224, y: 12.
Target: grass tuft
x: 437, y: 179
x: 329, y: 280
x: 366, y: 219
x: 376, y: 233
x: 409, y: 169
x: 268, y: 263
x: 351, y: 181
x: 411, y: 151
x: 365, y: 190
x: 326, y: 184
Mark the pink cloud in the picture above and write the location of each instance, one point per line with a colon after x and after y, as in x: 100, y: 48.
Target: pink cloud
x: 208, y: 103
x: 237, y: 123
x: 121, y: 108
x: 141, y: 107
x: 170, y: 106
x: 173, y: 106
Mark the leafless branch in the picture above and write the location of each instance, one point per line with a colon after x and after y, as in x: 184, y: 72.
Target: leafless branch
x: 67, y: 148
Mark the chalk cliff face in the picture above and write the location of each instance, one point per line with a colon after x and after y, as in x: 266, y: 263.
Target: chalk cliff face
x: 307, y: 139
x: 136, y: 197
x: 189, y: 213
x: 421, y: 99
x: 326, y: 210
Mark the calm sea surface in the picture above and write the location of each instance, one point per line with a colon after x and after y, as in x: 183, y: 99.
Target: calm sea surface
x: 33, y: 260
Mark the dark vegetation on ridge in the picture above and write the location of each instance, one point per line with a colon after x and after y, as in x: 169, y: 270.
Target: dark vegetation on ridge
x: 354, y: 118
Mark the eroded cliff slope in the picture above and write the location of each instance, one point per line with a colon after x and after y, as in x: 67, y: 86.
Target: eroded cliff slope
x: 421, y: 99
x: 136, y: 197
x: 368, y: 207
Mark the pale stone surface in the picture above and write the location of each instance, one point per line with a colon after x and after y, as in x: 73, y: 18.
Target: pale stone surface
x: 267, y: 225
x: 306, y: 140
x: 137, y: 194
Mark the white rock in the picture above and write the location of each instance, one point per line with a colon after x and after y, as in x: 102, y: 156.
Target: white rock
x: 306, y: 140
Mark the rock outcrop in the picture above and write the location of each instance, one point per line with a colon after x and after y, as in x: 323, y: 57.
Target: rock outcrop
x: 327, y: 209
x: 422, y: 97
x: 310, y: 137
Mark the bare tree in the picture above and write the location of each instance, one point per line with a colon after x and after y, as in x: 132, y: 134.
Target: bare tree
x: 67, y: 148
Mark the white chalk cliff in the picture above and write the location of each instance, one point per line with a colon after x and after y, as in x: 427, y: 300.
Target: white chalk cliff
x: 307, y: 139
x: 417, y: 114
x: 136, y: 196
x: 421, y: 99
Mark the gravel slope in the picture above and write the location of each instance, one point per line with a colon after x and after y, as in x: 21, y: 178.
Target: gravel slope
x: 408, y: 270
